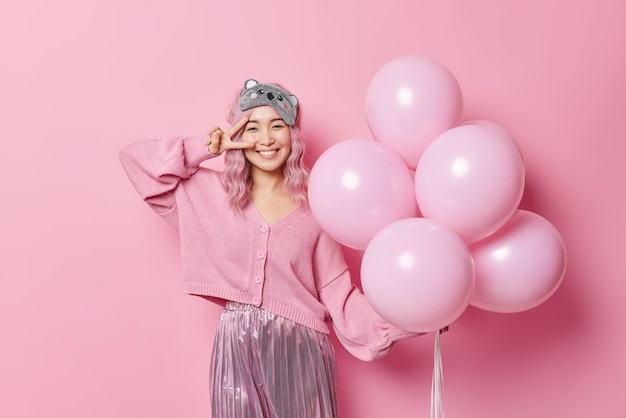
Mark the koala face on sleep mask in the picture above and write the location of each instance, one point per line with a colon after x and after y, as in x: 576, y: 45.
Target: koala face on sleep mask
x: 256, y: 94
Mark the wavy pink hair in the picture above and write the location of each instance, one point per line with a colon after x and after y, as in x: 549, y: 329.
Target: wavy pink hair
x: 237, y: 179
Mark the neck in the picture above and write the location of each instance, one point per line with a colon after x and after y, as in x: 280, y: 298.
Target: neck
x: 267, y: 182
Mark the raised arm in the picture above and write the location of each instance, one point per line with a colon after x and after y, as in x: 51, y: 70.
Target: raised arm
x: 156, y: 166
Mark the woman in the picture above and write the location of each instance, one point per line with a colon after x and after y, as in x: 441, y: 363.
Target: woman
x: 249, y: 240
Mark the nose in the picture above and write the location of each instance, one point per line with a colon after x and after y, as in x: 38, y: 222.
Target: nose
x: 266, y: 137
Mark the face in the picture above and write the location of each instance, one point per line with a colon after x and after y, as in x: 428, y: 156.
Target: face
x: 272, y: 139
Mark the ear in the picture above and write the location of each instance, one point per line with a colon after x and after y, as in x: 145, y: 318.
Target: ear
x: 294, y: 100
x: 250, y: 83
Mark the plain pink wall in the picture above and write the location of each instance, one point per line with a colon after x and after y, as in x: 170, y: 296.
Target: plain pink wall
x: 93, y: 319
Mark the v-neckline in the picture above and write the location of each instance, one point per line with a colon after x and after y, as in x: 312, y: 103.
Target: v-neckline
x: 256, y: 213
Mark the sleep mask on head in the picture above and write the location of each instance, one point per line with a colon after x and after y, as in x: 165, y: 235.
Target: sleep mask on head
x: 256, y: 94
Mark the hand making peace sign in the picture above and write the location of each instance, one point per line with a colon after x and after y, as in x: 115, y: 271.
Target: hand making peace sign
x: 219, y: 141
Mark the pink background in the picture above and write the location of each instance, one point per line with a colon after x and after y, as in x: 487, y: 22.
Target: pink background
x: 93, y: 320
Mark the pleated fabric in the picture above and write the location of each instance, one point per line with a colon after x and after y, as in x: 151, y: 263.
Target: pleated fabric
x: 266, y: 366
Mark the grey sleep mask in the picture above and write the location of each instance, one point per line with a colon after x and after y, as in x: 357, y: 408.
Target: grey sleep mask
x: 256, y: 94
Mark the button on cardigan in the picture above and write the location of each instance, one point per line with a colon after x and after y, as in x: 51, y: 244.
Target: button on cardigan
x: 291, y: 267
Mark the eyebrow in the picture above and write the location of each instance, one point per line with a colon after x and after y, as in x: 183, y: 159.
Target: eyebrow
x: 271, y: 121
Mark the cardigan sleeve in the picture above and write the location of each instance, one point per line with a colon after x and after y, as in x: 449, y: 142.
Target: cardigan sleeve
x: 156, y: 166
x: 358, y: 327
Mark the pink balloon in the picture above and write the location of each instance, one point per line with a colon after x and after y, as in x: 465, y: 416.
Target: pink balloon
x: 418, y: 274
x: 356, y: 188
x: 471, y: 179
x: 520, y: 266
x: 410, y: 101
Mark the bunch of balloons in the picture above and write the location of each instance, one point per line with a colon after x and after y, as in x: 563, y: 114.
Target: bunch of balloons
x: 433, y: 205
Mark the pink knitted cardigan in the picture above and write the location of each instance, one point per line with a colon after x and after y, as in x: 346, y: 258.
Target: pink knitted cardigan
x: 291, y: 267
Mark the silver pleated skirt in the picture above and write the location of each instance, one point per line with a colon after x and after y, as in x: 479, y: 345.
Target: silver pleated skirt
x: 267, y: 366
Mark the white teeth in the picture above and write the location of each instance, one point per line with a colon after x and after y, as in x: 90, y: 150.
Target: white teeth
x: 267, y: 153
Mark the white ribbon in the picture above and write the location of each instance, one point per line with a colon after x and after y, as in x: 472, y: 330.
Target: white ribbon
x: 436, y: 390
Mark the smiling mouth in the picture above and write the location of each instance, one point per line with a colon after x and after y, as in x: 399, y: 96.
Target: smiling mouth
x: 268, y: 153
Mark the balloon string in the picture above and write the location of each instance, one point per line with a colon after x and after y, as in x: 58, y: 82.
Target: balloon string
x: 436, y: 391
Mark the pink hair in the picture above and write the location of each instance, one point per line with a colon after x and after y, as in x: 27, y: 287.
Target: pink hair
x: 237, y: 179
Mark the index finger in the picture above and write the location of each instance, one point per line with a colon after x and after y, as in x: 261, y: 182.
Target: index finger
x: 242, y: 145
x: 237, y: 126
